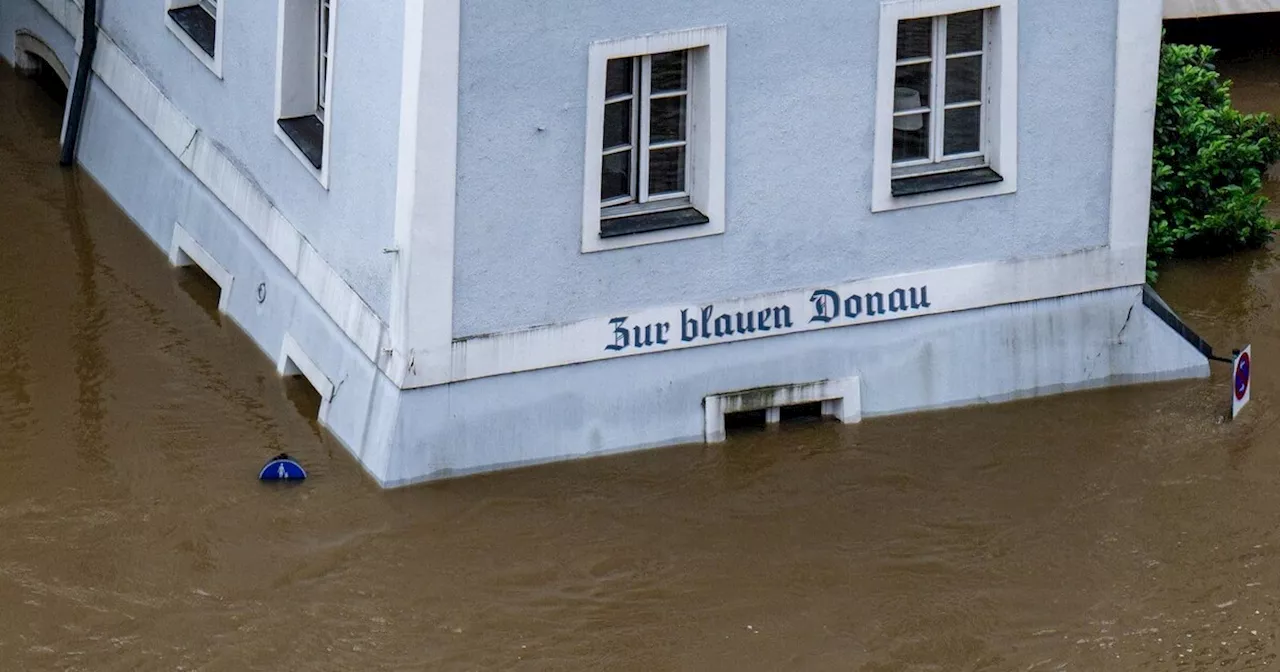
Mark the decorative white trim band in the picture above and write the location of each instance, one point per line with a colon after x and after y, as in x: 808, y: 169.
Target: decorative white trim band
x: 865, y: 301
x: 230, y: 185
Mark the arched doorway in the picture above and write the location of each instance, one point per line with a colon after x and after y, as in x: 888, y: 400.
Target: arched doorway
x: 34, y: 58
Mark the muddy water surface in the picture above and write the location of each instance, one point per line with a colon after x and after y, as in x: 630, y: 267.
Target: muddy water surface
x: 1123, y: 529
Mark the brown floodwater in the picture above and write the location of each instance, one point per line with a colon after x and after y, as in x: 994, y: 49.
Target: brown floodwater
x: 1119, y: 529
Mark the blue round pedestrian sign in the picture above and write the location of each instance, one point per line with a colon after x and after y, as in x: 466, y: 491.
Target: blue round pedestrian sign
x: 1242, y: 376
x: 282, y: 468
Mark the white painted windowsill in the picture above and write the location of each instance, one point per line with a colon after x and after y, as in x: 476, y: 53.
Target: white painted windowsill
x: 945, y: 196
x: 321, y: 175
x: 213, y: 63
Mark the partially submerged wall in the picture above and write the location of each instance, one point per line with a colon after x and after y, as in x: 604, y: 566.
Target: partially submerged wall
x: 953, y: 359
x: 173, y: 207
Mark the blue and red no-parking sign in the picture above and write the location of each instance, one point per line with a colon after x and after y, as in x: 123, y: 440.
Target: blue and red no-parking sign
x: 1240, y: 381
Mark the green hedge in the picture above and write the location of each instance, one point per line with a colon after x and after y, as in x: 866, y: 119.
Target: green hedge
x: 1209, y: 162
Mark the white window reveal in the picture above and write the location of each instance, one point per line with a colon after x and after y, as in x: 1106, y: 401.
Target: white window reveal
x: 305, y: 80
x: 195, y: 23
x: 947, y: 124
x: 655, y: 162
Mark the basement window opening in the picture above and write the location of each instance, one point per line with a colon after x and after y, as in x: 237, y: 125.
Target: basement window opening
x: 46, y: 77
x: 802, y: 413
x: 202, y: 289
x: 299, y: 390
x: 763, y: 418
x: 745, y: 421
x: 804, y: 402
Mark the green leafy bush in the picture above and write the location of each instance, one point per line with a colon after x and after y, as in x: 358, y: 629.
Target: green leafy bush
x: 1209, y: 162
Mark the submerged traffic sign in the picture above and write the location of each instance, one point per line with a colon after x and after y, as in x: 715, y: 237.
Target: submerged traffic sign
x: 282, y: 468
x: 1240, y: 381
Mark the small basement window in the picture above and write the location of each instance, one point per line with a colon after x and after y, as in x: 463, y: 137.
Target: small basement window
x: 46, y: 77
x: 36, y: 60
x: 195, y: 22
x: 745, y: 421
x: 202, y: 289
x: 732, y: 411
x: 310, y: 382
x: 763, y: 418
x: 201, y: 276
x: 304, y: 396
x: 810, y: 412
x: 305, y: 80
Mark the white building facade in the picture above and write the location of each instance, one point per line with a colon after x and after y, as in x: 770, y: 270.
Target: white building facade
x: 496, y: 233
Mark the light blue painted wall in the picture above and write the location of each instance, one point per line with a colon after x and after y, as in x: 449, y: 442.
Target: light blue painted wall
x: 155, y: 190
x: 16, y: 15
x: 352, y: 222
x: 800, y: 112
x: 950, y: 359
x: 628, y: 403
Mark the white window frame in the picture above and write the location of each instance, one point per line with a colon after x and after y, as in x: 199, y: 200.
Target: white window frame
x: 324, y: 29
x: 213, y: 63
x: 938, y: 160
x: 639, y: 199
x: 298, y: 75
x: 1000, y: 115
x: 705, y: 134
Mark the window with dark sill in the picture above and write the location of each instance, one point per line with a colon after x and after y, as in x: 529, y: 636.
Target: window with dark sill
x: 956, y: 179
x: 307, y: 133
x: 198, y: 24
x: 651, y: 221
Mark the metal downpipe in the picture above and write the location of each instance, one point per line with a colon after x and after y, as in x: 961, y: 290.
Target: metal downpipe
x: 79, y: 92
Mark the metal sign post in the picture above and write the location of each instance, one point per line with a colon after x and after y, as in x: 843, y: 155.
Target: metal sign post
x: 1240, y: 381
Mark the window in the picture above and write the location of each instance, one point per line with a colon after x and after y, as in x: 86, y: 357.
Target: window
x: 195, y: 22
x: 655, y: 129
x: 938, y: 95
x: 645, y: 157
x: 304, y: 73
x: 946, y: 126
